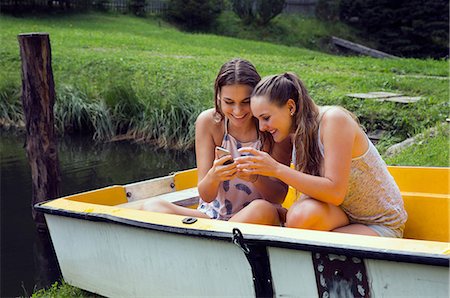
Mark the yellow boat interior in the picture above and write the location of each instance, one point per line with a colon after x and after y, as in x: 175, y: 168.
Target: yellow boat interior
x: 425, y: 192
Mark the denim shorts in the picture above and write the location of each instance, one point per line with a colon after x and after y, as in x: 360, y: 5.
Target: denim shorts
x: 384, y: 231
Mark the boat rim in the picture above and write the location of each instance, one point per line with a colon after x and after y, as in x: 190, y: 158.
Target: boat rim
x: 436, y: 259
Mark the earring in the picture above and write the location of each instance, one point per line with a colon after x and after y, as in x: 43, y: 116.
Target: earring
x: 292, y: 114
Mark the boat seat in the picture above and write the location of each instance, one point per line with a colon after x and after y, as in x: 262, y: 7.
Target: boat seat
x: 186, y: 198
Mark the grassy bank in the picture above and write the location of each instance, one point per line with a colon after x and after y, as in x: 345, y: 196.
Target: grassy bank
x: 288, y: 29
x: 431, y: 148
x: 124, y: 77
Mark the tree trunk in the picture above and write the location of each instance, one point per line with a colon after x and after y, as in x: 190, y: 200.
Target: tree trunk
x: 38, y: 99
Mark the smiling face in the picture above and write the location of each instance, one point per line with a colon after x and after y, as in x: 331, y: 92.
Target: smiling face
x: 235, y: 104
x: 277, y: 120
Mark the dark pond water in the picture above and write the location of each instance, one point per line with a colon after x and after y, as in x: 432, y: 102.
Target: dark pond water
x: 27, y: 258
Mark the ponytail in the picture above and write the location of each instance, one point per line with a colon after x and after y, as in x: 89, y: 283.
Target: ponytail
x: 279, y: 89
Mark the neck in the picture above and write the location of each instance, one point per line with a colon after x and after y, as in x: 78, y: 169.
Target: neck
x: 244, y: 133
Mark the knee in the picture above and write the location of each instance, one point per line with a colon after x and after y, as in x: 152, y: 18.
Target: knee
x: 305, y: 214
x: 264, y: 212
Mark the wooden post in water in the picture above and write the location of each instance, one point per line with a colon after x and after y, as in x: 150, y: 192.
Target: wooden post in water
x: 38, y: 99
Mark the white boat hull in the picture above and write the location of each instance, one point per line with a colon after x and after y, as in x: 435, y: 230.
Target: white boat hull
x: 119, y: 260
x: 107, y: 248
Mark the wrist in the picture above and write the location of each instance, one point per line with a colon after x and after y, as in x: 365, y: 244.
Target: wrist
x: 255, y: 178
x: 211, y: 178
x: 277, y: 171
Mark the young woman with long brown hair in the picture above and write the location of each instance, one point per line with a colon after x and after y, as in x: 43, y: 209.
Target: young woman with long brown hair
x: 345, y: 184
x: 226, y: 193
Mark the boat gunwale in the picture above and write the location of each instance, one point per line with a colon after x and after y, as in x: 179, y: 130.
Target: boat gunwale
x: 265, y: 240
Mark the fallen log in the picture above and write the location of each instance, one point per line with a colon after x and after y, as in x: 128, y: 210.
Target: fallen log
x: 360, y: 48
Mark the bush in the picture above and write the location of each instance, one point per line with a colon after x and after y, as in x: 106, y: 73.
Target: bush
x: 409, y: 28
x: 259, y: 11
x: 101, y: 5
x: 245, y: 10
x: 327, y: 10
x: 137, y: 7
x: 194, y: 14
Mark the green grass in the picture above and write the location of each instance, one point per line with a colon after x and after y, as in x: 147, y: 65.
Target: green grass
x: 144, y: 79
x: 430, y: 149
x: 288, y: 29
x: 62, y: 290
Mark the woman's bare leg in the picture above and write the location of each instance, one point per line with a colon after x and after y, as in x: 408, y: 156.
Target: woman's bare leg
x: 312, y: 214
x: 359, y: 229
x: 162, y: 206
x: 258, y: 212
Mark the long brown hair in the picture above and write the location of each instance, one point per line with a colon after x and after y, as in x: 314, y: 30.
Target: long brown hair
x: 235, y: 71
x: 278, y: 89
x: 238, y: 71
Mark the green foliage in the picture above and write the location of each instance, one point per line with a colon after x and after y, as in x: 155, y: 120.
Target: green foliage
x: 268, y: 9
x: 286, y: 29
x: 431, y: 149
x: 409, y: 28
x: 137, y: 7
x: 140, y: 79
x: 61, y: 290
x: 257, y: 11
x: 328, y: 10
x: 193, y: 14
x: 101, y: 5
x: 244, y: 9
x: 75, y: 113
x: 11, y: 113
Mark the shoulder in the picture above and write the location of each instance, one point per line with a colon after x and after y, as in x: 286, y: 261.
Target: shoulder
x: 206, y: 119
x: 207, y: 125
x: 336, y: 116
x: 206, y: 116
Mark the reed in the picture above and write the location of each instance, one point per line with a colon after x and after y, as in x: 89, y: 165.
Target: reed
x: 75, y: 113
x: 120, y: 77
x: 11, y: 113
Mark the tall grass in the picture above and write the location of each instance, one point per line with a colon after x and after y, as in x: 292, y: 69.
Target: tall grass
x: 120, y: 77
x: 75, y: 112
x: 11, y: 113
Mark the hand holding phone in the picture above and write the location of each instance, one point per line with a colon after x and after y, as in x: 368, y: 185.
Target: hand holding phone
x: 221, y: 152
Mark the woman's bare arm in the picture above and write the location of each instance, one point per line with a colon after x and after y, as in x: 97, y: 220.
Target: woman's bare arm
x: 210, y: 171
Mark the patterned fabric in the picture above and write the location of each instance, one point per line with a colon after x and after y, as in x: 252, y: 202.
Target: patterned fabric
x: 373, y: 198
x: 235, y: 194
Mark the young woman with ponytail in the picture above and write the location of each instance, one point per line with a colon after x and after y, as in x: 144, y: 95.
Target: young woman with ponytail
x: 344, y: 182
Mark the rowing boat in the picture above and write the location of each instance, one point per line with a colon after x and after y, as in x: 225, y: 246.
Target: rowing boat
x: 106, y: 246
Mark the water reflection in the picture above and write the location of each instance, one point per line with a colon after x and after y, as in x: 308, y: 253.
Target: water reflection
x: 27, y: 261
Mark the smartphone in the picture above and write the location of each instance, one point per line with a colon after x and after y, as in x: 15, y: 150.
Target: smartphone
x: 221, y: 152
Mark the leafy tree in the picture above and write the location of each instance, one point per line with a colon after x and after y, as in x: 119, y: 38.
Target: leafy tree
x: 411, y: 28
x: 137, y: 7
x: 245, y: 10
x: 268, y: 9
x: 194, y: 14
x: 327, y: 10
x: 258, y: 11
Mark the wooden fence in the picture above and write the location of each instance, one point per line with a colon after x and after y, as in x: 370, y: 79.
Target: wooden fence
x: 148, y: 6
x: 306, y: 7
